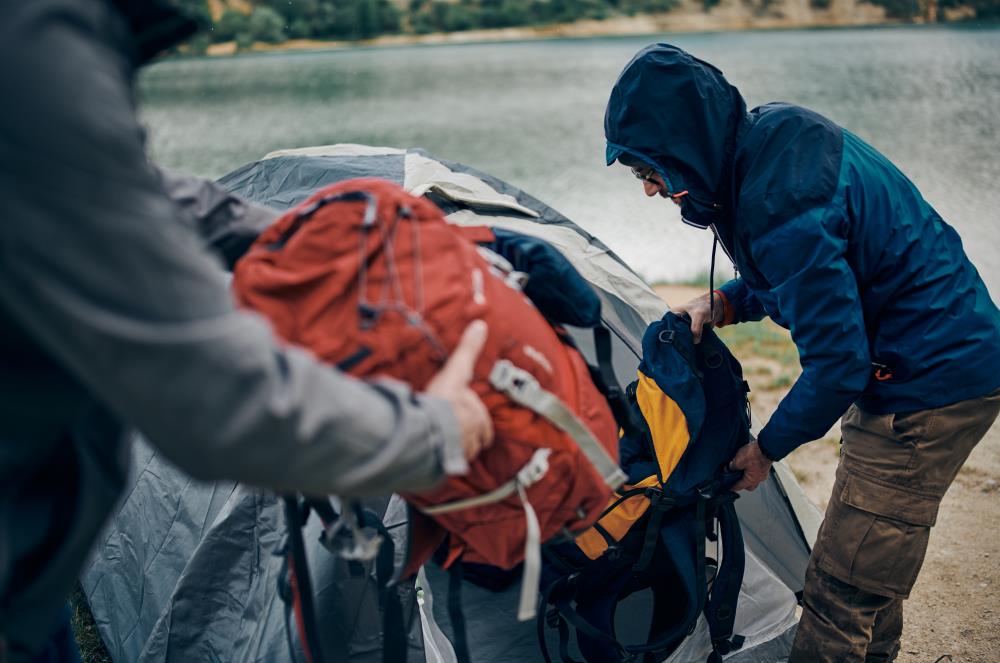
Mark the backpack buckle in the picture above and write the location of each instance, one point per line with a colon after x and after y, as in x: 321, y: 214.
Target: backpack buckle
x: 506, y: 377
x: 563, y: 588
x: 659, y: 500
x: 536, y: 467
x: 728, y: 645
x: 347, y: 539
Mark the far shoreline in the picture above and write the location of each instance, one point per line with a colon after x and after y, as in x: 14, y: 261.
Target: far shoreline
x: 680, y: 22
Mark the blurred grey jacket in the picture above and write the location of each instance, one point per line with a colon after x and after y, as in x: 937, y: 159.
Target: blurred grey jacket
x: 112, y: 309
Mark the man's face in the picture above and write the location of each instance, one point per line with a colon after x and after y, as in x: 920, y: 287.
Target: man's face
x: 653, y: 185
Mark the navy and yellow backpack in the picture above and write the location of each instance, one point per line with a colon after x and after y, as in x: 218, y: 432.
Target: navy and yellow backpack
x: 690, y: 415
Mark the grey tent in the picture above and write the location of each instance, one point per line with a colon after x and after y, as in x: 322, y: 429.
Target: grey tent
x: 188, y: 571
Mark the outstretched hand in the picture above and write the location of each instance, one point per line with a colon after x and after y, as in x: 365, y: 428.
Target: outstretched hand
x: 451, y: 383
x: 756, y: 468
x: 699, y: 310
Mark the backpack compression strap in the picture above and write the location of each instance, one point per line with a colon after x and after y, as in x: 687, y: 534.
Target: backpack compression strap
x: 528, y: 475
x: 523, y: 389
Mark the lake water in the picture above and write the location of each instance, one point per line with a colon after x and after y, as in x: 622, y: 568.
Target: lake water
x: 532, y: 113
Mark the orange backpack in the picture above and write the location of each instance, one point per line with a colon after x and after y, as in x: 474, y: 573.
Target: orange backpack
x: 376, y: 282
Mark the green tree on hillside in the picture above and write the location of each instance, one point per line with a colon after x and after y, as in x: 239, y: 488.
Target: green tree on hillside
x: 366, y: 22
x: 343, y: 19
x: 985, y: 9
x: 899, y: 8
x: 230, y: 24
x: 267, y: 25
x: 197, y: 10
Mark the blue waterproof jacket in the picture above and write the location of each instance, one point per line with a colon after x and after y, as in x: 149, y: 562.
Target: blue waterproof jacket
x: 831, y: 241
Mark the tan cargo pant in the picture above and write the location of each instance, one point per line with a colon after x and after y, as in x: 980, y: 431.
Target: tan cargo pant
x: 894, y: 469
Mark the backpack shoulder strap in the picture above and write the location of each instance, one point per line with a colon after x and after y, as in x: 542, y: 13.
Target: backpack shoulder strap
x: 594, y: 631
x: 295, y: 585
x: 603, y: 375
x: 720, y: 610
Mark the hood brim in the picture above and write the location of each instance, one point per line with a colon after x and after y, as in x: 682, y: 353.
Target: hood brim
x: 611, y: 154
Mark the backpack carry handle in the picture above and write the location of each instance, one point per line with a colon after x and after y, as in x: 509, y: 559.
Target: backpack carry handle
x: 304, y: 214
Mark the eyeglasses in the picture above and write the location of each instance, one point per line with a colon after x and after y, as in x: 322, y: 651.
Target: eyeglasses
x: 649, y: 175
x: 645, y: 174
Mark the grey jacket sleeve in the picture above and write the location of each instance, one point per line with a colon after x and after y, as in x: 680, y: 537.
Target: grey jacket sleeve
x: 227, y: 223
x: 102, y: 269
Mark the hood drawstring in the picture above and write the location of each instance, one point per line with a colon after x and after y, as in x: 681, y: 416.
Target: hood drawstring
x: 711, y: 282
x: 711, y: 274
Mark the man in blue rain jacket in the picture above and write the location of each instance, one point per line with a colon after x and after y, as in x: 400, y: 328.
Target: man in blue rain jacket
x: 893, y: 324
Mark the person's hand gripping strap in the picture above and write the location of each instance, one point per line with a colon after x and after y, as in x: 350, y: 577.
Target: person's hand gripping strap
x: 451, y: 383
x: 755, y: 465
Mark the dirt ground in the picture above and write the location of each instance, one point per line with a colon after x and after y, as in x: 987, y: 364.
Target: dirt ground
x: 954, y: 607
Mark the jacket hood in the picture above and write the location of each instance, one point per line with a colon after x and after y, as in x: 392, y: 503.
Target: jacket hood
x: 156, y: 25
x: 680, y: 115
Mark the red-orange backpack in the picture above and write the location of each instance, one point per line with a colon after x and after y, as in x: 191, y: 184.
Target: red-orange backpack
x: 376, y: 282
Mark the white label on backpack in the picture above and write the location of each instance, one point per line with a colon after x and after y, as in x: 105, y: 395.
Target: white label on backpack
x: 478, y: 293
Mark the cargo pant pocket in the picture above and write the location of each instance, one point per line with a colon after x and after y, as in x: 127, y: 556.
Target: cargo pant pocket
x: 884, y: 444
x: 876, y: 535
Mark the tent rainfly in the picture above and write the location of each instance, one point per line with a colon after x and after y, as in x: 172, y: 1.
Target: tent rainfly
x: 188, y: 571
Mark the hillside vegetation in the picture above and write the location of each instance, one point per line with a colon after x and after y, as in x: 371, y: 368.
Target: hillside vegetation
x: 247, y: 22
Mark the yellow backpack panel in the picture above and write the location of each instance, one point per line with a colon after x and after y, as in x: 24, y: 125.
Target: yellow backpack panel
x: 669, y: 432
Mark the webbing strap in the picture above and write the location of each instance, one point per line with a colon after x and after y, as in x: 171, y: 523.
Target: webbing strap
x: 668, y: 336
x: 393, y: 629
x: 659, y: 506
x: 524, y: 389
x: 301, y: 584
x: 700, y: 533
x: 580, y: 624
x: 557, y: 618
x: 563, y: 629
x: 327, y: 514
x: 540, y: 632
x: 461, y: 641
x: 532, y: 572
x: 534, y: 470
x: 607, y: 383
